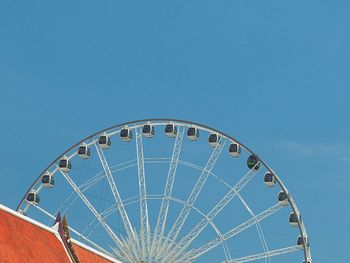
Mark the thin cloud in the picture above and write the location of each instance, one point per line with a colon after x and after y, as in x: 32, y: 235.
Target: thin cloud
x: 295, y: 147
x: 340, y: 152
x: 345, y: 159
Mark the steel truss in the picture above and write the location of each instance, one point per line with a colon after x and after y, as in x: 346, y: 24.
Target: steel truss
x: 158, y: 246
x: 176, y: 228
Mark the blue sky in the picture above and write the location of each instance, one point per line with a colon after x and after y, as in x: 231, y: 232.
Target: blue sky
x: 274, y: 74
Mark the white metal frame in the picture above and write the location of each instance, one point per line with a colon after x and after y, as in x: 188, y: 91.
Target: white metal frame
x: 148, y: 246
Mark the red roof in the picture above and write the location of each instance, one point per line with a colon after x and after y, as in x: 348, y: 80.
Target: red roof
x: 86, y: 256
x: 25, y: 240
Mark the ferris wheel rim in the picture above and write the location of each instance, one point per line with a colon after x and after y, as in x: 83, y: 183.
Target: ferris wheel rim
x: 186, y: 123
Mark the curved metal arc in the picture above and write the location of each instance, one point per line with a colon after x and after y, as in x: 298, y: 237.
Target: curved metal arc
x: 195, y: 232
x: 180, y: 220
x: 119, y: 126
x: 109, y: 231
x: 125, y: 218
x: 76, y: 232
x: 267, y: 254
x: 110, y: 210
x: 233, y: 232
x: 302, y: 229
x: 91, y: 182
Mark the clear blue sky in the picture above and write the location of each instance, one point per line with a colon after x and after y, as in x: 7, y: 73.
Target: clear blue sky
x: 274, y: 74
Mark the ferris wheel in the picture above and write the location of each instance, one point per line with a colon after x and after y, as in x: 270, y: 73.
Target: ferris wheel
x: 165, y: 190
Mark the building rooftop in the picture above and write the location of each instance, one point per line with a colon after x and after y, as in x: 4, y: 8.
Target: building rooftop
x: 23, y: 239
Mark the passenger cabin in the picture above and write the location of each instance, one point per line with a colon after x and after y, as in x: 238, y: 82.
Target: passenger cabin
x: 170, y: 130
x: 84, y: 151
x: 104, y: 141
x: 269, y: 179
x: 214, y: 139
x: 193, y: 133
x: 253, y: 162
x: 234, y: 149
x: 301, y: 241
x: 148, y: 130
x: 48, y: 180
x: 65, y: 164
x: 293, y: 219
x: 283, y: 198
x: 126, y: 134
x: 33, y: 198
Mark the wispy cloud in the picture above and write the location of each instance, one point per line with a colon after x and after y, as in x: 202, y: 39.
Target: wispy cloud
x: 295, y: 147
x: 340, y: 152
x: 345, y: 159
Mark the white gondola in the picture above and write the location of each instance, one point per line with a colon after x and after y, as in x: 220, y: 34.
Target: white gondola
x: 309, y: 260
x: 234, y: 149
x: 214, y: 139
x: 65, y: 164
x: 253, y: 162
x: 33, y: 198
x: 126, y: 134
x: 269, y: 179
x: 283, y: 198
x: 104, y: 141
x: 170, y: 130
x: 148, y: 130
x: 84, y: 151
x: 193, y: 133
x: 301, y: 241
x: 293, y: 219
x: 48, y: 180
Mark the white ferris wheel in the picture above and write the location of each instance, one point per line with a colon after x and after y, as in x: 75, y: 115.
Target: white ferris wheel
x: 165, y: 190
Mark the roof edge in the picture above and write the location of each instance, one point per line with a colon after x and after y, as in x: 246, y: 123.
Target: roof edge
x: 30, y: 220
x: 92, y: 250
x: 54, y: 230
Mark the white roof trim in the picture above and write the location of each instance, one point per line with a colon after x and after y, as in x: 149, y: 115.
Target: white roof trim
x: 25, y: 218
x: 54, y: 230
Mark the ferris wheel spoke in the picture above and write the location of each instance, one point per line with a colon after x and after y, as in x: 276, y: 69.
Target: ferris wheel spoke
x: 70, y: 200
x: 106, y: 227
x: 75, y: 232
x: 45, y: 212
x: 124, y: 216
x: 234, y: 231
x: 163, y: 211
x: 195, y: 232
x: 180, y: 220
x: 258, y: 226
x: 90, y: 242
x: 145, y: 228
x: 260, y: 232
x: 101, y: 175
x: 109, y: 211
x: 226, y: 250
x: 90, y: 183
x: 104, y: 215
x: 182, y: 229
x: 267, y: 254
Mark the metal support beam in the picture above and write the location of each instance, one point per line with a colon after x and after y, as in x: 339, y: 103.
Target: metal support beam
x: 109, y: 231
x: 194, y: 233
x: 180, y: 220
x: 124, y: 216
x: 268, y: 254
x: 145, y: 235
x: 163, y: 211
x: 233, y: 232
